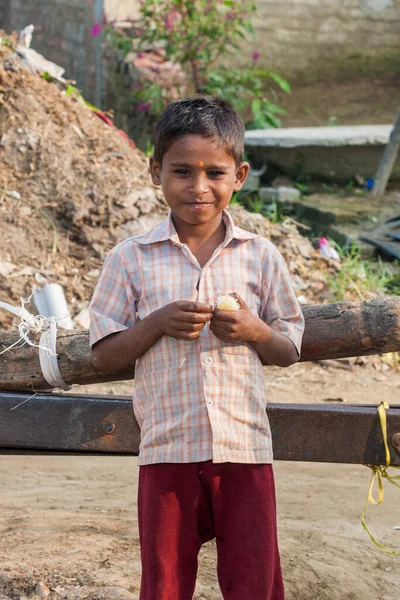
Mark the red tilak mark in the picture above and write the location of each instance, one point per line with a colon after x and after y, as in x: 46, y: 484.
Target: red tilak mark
x: 200, y: 163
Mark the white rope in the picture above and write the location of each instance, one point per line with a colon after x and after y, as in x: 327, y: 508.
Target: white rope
x: 47, y: 327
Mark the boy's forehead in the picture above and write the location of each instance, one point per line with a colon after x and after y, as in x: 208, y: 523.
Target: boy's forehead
x: 197, y: 149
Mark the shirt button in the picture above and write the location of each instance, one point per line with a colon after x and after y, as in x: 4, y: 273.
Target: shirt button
x: 208, y: 360
x: 209, y: 403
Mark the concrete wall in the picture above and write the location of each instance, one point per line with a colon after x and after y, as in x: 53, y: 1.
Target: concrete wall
x: 62, y: 35
x: 316, y: 38
x: 329, y: 36
x: 120, y: 10
x: 312, y: 39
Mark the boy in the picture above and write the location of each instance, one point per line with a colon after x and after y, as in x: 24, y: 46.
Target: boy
x: 205, y: 452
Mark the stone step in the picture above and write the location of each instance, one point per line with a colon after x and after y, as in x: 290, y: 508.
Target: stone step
x: 336, y: 153
x: 340, y: 219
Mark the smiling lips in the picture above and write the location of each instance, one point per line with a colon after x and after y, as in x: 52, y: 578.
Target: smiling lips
x: 199, y: 205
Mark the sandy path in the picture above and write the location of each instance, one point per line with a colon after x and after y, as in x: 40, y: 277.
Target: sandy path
x: 71, y: 521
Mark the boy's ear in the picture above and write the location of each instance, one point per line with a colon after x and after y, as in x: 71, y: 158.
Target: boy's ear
x: 155, y: 171
x: 241, y: 173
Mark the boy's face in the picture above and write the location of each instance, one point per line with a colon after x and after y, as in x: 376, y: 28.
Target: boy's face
x: 198, y: 178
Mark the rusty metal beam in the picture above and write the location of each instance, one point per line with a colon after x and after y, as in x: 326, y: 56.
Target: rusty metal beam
x: 68, y: 423
x: 334, y: 433
x: 100, y: 424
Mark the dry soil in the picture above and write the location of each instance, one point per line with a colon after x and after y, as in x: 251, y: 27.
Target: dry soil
x: 71, y: 521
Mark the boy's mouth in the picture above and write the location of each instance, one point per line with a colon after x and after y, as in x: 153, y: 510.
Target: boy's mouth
x: 199, y: 205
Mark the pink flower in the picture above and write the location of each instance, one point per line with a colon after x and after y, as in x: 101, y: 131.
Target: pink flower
x: 255, y: 56
x: 143, y: 106
x: 171, y: 18
x: 96, y: 30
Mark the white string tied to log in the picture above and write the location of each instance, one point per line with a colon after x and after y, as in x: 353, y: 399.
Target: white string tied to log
x: 47, y: 327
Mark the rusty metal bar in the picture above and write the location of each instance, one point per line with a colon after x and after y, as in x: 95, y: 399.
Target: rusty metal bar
x: 334, y: 433
x: 102, y: 425
x: 68, y: 423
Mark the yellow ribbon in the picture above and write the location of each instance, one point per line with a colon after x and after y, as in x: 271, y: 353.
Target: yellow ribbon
x: 380, y: 473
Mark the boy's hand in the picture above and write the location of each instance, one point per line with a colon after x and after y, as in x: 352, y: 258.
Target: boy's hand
x: 236, y: 326
x: 183, y: 320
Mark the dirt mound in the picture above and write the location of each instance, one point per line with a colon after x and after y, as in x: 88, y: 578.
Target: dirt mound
x: 71, y: 187
x: 310, y: 272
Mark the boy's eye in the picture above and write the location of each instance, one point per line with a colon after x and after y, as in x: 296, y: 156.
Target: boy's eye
x: 181, y: 171
x: 215, y: 173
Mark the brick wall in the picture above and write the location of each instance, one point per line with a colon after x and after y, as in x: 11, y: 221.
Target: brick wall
x: 62, y: 35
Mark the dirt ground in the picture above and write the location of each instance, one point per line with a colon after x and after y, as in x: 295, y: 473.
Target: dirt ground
x: 71, y: 522
x: 357, y: 101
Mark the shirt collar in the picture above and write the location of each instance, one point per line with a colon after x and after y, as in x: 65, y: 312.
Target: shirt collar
x: 166, y: 231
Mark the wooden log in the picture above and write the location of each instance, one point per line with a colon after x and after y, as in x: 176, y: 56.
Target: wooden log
x: 346, y: 329
x: 339, y: 330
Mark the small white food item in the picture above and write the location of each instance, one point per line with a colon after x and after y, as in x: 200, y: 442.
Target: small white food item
x: 227, y: 303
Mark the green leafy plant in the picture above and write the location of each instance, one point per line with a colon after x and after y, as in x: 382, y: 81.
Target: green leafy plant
x: 255, y: 204
x: 244, y: 90
x: 333, y: 121
x: 303, y: 187
x: 251, y: 201
x: 6, y: 42
x: 122, y: 43
x: 73, y: 91
x: 350, y: 185
x: 244, y: 197
x: 363, y: 277
x: 308, y: 109
x: 329, y: 189
x: 359, y: 192
x: 149, y: 149
x: 352, y: 188
x: 276, y: 215
x: 235, y: 200
x: 196, y: 35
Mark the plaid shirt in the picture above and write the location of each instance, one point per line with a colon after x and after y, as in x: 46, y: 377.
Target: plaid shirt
x: 201, y: 399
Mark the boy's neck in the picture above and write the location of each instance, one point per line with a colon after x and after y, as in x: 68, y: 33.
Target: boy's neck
x: 201, y: 238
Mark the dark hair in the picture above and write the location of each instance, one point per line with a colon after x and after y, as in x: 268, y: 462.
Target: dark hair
x: 202, y: 115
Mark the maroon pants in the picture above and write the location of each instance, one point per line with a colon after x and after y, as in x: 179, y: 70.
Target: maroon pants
x: 182, y: 506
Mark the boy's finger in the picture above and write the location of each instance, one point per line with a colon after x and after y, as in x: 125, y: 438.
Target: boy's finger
x: 228, y: 316
x: 221, y: 334
x: 196, y: 307
x: 187, y: 335
x: 193, y: 317
x: 242, y: 303
x: 189, y: 326
x: 221, y: 327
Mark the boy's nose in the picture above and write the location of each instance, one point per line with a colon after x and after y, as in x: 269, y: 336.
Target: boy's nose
x: 199, y: 186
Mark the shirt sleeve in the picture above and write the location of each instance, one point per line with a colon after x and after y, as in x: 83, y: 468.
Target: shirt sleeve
x: 282, y: 311
x: 113, y: 306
